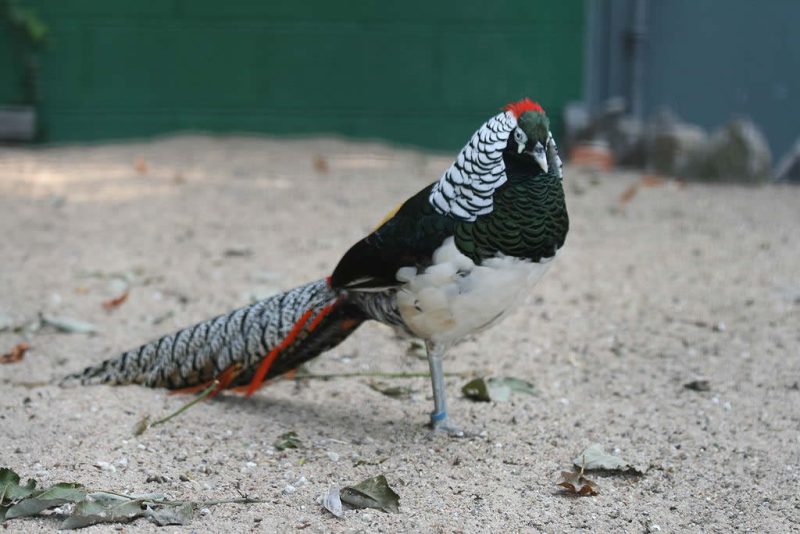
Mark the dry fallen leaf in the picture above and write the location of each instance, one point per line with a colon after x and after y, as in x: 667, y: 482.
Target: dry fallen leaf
x: 496, y: 388
x: 140, y: 164
x: 371, y: 493
x: 321, y: 164
x: 390, y: 390
x: 86, y: 507
x: 16, y: 354
x: 287, y: 440
x: 647, y: 180
x: 115, y: 302
x: 577, y: 484
x: 628, y: 194
x: 651, y: 180
x: 595, y: 458
x: 67, y: 325
x: 333, y: 503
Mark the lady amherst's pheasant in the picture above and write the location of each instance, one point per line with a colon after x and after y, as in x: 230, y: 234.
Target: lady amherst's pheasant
x: 451, y: 261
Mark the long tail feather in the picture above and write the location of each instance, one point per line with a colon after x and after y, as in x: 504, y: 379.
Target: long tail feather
x: 286, y: 329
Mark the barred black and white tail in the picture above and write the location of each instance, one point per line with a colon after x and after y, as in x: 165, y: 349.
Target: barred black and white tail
x: 291, y: 327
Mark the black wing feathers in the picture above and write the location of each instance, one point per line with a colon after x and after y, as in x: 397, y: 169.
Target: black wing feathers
x: 410, y: 237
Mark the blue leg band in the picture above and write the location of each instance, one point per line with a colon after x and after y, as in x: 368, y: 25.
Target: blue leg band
x: 438, y: 416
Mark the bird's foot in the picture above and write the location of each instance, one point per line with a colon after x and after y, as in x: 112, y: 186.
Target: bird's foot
x: 441, y: 424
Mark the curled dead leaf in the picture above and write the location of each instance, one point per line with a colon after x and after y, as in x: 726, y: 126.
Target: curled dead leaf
x: 321, y: 164
x: 16, y: 354
x: 647, y: 180
x: 287, y: 440
x: 371, y: 493
x: 333, y: 503
x: 67, y: 325
x: 390, y: 390
x: 628, y: 194
x: 497, y: 389
x: 141, y: 166
x: 116, y: 302
x: 577, y: 484
x: 594, y: 458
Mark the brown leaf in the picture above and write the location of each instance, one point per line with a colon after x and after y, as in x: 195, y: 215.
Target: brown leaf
x: 628, y: 194
x: 140, y: 164
x: 651, y: 180
x: 115, y: 302
x: 16, y: 354
x: 321, y: 164
x: 647, y: 180
x: 577, y: 484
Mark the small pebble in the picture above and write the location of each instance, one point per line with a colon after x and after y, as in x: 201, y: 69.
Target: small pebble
x: 105, y: 466
x: 334, y: 456
x: 289, y: 489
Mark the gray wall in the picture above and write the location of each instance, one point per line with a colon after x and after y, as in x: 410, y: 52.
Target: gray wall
x: 707, y: 60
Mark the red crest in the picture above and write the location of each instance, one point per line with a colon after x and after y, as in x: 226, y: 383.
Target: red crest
x: 520, y: 107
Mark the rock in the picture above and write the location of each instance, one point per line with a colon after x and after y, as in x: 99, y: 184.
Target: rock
x: 674, y: 147
x: 789, y: 168
x: 621, y: 132
x: 738, y: 152
x: 105, y: 466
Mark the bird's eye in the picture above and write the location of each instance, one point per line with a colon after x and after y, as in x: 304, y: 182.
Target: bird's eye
x: 520, y: 137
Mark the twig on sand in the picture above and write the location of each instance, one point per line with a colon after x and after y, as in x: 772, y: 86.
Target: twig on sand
x: 145, y: 423
x: 203, y: 394
x: 379, y: 374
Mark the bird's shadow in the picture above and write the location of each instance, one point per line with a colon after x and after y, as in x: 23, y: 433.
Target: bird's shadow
x: 335, y: 418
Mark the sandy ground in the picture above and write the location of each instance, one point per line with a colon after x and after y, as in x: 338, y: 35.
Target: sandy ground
x: 679, y: 284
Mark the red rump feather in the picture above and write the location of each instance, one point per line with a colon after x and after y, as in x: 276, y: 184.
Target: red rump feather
x: 526, y: 104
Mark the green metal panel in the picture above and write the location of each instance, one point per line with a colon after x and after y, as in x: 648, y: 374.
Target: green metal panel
x: 423, y: 73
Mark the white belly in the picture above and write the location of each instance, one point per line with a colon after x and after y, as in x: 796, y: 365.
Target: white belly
x: 454, y: 297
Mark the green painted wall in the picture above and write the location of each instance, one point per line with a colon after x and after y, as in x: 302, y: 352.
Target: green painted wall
x: 417, y: 72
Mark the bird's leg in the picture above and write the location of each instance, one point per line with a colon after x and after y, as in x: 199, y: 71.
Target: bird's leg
x: 440, y: 422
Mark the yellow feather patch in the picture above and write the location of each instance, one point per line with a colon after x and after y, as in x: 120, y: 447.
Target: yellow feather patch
x: 388, y: 216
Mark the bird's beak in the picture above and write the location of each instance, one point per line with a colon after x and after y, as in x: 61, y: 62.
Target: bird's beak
x: 540, y: 156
